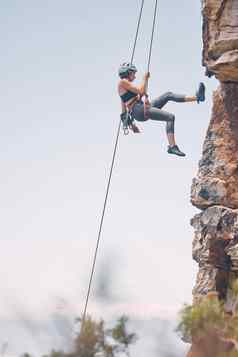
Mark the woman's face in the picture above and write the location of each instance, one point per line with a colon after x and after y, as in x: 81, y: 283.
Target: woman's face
x: 132, y: 76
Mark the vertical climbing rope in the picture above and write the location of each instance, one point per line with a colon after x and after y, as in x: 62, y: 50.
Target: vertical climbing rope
x: 113, y: 161
x: 152, y: 35
x: 137, y: 30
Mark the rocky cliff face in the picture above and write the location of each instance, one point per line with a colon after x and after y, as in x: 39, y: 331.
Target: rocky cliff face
x: 217, y: 179
x: 215, y: 188
x: 220, y: 38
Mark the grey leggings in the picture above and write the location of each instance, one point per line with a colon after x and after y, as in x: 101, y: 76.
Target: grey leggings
x: 155, y: 112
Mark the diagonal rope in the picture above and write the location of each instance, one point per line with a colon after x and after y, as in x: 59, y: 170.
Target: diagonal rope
x: 108, y: 186
x: 101, y: 224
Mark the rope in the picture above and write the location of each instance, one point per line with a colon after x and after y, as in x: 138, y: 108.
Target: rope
x: 113, y: 160
x: 109, y: 182
x: 137, y: 30
x: 101, y: 224
x: 146, y: 101
x: 152, y: 35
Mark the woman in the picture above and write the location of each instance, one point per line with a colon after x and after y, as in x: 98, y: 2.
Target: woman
x: 141, y: 111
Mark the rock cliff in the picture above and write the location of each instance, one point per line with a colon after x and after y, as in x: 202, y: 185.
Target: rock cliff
x: 220, y: 38
x: 215, y: 188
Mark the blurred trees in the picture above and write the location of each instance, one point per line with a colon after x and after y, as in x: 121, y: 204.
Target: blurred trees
x: 96, y: 340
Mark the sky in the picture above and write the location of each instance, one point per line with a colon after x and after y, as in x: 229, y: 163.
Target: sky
x: 59, y: 117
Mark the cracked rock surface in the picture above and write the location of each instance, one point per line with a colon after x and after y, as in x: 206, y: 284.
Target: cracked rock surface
x: 220, y: 38
x: 217, y: 178
x: 214, y: 190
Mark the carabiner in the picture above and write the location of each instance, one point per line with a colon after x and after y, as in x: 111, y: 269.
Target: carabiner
x: 126, y: 130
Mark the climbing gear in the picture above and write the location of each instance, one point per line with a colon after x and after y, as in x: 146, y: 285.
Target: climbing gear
x: 175, y: 150
x: 127, y: 120
x: 112, y: 165
x: 200, y: 94
x: 125, y: 69
x: 128, y: 123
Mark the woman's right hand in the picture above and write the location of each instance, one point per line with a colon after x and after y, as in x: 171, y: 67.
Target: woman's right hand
x: 147, y: 76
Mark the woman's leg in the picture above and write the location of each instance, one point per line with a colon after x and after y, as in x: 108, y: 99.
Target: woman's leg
x: 171, y: 97
x: 191, y: 99
x: 179, y: 98
x: 169, y: 118
x: 159, y: 115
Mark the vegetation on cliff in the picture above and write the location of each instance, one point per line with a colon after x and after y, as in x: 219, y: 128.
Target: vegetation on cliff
x: 212, y: 329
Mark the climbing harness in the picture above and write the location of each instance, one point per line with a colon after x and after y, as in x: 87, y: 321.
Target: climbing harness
x: 127, y: 122
x: 127, y: 117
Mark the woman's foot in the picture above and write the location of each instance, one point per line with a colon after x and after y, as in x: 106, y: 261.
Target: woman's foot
x: 175, y: 150
x: 200, y: 94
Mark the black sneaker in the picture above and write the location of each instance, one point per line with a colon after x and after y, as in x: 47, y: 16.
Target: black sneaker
x: 200, y: 94
x: 175, y: 150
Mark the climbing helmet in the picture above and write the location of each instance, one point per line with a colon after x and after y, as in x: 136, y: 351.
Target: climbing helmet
x: 125, y: 69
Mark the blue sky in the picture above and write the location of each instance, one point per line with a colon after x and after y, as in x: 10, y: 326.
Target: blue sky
x: 59, y: 116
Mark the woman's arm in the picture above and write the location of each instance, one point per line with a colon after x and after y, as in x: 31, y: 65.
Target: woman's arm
x: 125, y: 84
x: 141, y: 89
x: 144, y: 85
